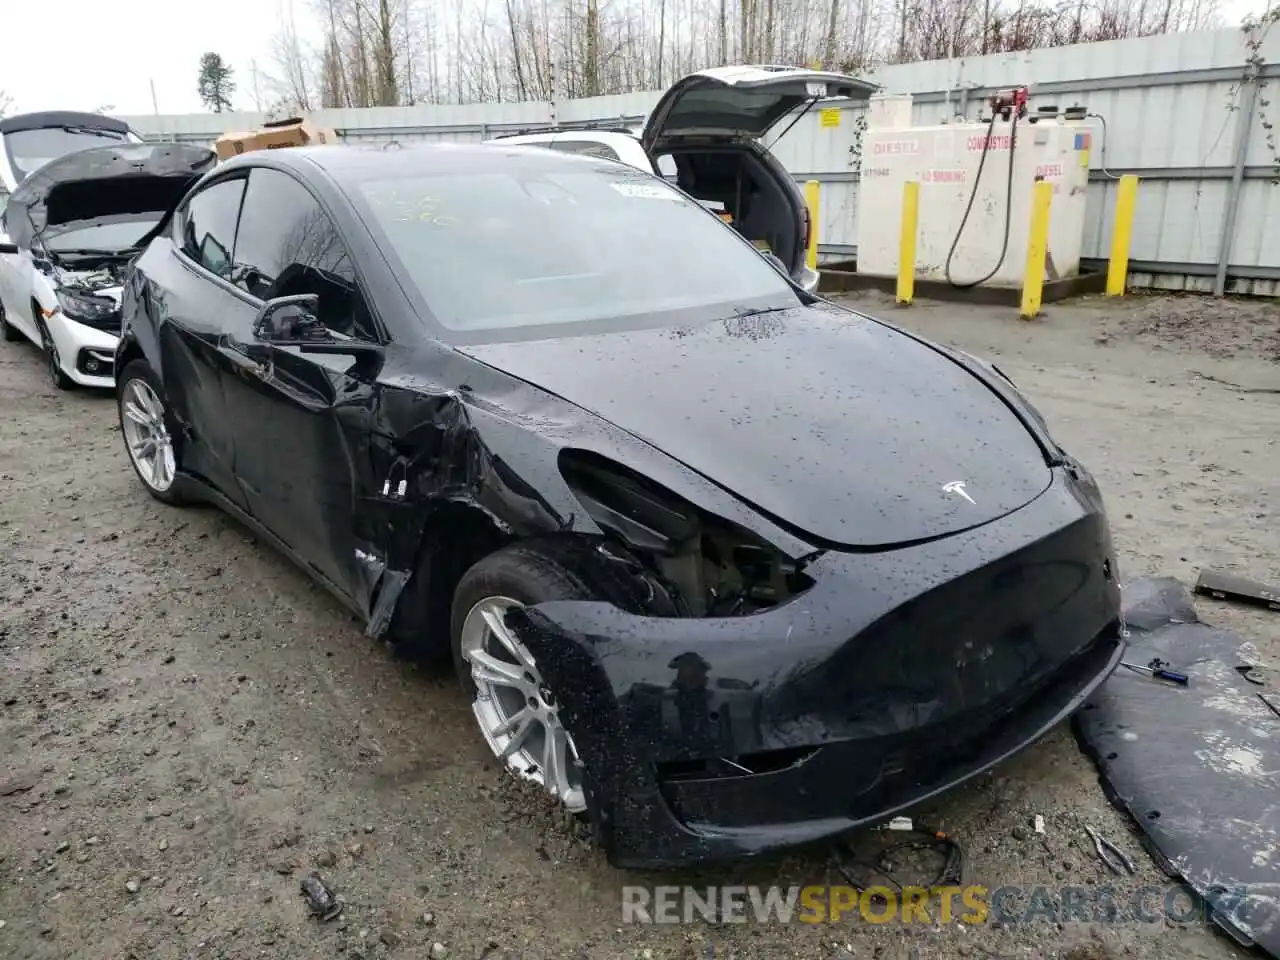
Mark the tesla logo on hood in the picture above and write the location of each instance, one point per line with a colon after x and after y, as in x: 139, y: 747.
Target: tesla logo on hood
x: 956, y: 488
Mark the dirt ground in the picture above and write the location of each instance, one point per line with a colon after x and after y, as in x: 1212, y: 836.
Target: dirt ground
x: 188, y: 726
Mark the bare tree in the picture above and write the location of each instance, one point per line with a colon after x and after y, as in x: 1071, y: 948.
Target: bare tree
x: 294, y: 80
x: 385, y: 52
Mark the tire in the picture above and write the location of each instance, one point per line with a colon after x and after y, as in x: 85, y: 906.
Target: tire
x: 8, y: 332
x: 56, y: 374
x: 521, y: 574
x: 138, y: 382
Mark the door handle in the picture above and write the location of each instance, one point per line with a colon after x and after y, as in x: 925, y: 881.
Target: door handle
x: 245, y: 364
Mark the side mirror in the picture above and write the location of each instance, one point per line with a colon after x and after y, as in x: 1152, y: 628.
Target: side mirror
x: 9, y: 248
x: 290, y: 320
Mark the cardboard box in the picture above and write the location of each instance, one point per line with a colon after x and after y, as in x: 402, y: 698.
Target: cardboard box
x: 294, y: 132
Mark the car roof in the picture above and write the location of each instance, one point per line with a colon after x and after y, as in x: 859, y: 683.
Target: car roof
x: 351, y: 165
x: 61, y: 118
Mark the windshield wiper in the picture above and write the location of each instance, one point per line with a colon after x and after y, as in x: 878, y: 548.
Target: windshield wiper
x: 93, y: 132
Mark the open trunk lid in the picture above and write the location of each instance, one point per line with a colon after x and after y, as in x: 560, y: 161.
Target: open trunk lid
x: 146, y: 180
x: 743, y: 101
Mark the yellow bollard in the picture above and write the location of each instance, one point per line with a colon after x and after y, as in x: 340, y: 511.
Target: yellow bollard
x: 907, y: 241
x: 1122, y: 235
x: 812, y: 190
x: 1037, y: 249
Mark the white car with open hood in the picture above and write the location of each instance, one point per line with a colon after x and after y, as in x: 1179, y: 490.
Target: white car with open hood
x: 74, y: 226
x: 704, y: 135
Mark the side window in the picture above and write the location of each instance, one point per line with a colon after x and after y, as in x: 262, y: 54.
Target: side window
x: 591, y: 148
x: 209, y: 226
x: 288, y: 245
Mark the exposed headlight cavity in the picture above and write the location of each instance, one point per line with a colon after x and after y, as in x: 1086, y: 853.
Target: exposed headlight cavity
x: 86, y: 307
x: 716, y: 568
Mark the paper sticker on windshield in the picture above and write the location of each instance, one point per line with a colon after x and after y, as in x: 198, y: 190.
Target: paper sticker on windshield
x: 647, y: 191
x: 401, y: 209
x: 816, y: 89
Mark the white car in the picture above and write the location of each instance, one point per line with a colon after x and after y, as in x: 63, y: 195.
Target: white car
x: 74, y: 226
x: 612, y: 144
x: 704, y: 136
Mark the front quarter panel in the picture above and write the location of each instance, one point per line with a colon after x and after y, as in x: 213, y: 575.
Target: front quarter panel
x: 494, y: 441
x: 469, y: 436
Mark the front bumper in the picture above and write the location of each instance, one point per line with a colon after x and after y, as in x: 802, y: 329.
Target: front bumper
x: 87, y: 353
x: 897, y: 676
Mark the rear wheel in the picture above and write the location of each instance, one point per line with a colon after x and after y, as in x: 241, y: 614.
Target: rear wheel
x: 150, y: 433
x: 51, y: 357
x: 517, y: 712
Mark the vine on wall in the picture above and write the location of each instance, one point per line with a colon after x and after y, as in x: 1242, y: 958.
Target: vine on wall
x: 1255, y: 33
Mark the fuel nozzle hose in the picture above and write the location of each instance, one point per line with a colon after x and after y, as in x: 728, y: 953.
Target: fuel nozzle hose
x: 973, y: 194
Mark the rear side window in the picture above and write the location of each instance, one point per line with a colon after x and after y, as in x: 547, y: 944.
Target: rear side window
x: 591, y: 148
x: 209, y: 226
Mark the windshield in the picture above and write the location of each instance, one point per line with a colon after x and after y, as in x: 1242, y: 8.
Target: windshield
x: 539, y: 246
x: 105, y: 237
x: 29, y: 150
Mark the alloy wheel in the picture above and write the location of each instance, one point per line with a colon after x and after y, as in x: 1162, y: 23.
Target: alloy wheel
x: 146, y: 435
x: 515, y: 709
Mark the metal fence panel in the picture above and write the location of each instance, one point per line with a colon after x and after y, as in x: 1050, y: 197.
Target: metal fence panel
x: 1174, y: 110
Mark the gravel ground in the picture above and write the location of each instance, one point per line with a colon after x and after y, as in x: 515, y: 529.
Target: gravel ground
x: 189, y: 727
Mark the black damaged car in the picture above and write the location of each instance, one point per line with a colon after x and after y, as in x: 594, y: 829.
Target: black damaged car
x: 723, y: 566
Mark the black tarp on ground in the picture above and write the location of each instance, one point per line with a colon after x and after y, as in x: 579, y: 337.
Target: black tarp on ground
x: 1197, y: 767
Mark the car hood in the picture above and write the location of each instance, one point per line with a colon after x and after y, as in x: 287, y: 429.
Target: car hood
x: 104, y: 185
x: 835, y: 425
x: 742, y: 101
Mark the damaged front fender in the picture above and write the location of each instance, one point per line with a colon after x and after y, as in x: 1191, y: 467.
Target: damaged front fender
x: 491, y: 448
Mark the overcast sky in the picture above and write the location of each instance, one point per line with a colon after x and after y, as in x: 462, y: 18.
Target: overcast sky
x: 87, y: 54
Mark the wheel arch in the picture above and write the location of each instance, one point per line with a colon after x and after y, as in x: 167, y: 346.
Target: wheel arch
x: 460, y: 535
x: 456, y: 536
x: 128, y: 351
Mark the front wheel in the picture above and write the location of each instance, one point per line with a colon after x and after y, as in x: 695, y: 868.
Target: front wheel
x: 517, y: 712
x: 51, y: 356
x: 149, y: 431
x: 8, y: 331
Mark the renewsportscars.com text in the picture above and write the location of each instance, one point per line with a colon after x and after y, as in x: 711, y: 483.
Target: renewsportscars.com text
x: 955, y: 904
